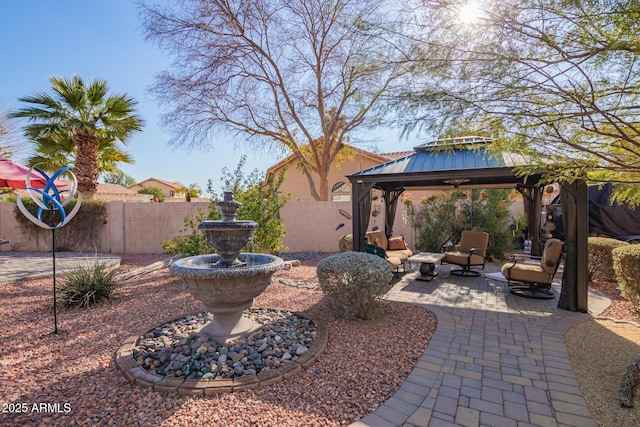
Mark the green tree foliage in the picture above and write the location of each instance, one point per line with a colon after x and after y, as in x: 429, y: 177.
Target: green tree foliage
x: 441, y: 219
x: 193, y: 190
x: 190, y: 241
x: 154, y: 191
x: 556, y: 80
x: 261, y: 202
x: 488, y: 210
x: 435, y: 221
x: 118, y: 177
x: 300, y: 73
x: 80, y: 124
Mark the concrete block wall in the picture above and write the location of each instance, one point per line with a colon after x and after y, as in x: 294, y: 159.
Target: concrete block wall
x: 312, y: 226
x: 147, y: 225
x: 143, y: 227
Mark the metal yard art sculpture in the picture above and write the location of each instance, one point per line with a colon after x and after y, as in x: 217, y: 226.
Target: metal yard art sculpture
x: 52, y: 199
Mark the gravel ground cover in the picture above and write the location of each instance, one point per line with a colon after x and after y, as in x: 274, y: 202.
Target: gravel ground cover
x: 600, y: 351
x: 70, y: 379
x: 74, y: 377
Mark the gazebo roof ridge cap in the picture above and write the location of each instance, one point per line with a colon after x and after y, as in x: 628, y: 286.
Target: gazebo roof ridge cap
x: 453, y: 142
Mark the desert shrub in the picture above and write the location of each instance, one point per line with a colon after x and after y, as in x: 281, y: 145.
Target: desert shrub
x: 626, y: 264
x: 442, y: 218
x: 85, y: 286
x: 600, y: 258
x: 191, y: 241
x: 353, y: 281
x: 345, y: 243
x: 80, y: 234
x: 261, y: 201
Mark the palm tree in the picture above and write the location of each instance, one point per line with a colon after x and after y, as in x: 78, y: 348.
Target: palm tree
x: 193, y: 190
x: 57, y: 151
x: 83, y: 120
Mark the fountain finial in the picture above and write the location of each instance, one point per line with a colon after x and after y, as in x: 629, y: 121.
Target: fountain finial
x: 228, y: 206
x: 228, y: 236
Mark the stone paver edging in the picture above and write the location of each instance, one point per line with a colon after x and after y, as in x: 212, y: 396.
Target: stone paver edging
x: 197, y: 387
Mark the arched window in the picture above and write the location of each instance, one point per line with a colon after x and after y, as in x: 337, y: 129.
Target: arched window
x: 340, y: 192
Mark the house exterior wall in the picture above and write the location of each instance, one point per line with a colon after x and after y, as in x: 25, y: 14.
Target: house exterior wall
x: 296, y: 184
x: 166, y: 189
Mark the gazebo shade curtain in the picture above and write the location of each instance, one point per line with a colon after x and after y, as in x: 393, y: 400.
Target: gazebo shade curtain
x: 390, y: 207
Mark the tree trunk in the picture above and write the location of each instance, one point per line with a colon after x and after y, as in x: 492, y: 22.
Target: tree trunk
x: 86, y: 167
x: 320, y: 192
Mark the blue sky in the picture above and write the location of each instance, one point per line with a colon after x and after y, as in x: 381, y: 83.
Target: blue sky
x: 103, y: 39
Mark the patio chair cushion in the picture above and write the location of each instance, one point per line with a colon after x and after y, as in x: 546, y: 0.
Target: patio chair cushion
x: 551, y: 255
x: 380, y: 239
x: 526, y: 273
x: 474, y: 239
x: 396, y: 244
x: 537, y: 273
x: 461, y: 258
x: 379, y: 251
x: 377, y: 238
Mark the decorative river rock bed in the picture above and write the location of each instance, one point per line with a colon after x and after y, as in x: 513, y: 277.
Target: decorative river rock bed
x: 174, y: 357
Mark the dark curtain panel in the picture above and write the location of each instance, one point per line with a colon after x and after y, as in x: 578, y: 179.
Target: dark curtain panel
x: 390, y: 207
x: 532, y: 197
x: 365, y: 209
x: 573, y: 295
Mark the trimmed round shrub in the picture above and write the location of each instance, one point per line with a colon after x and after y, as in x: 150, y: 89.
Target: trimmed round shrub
x: 345, y: 243
x: 626, y: 263
x: 353, y: 281
x: 600, y: 259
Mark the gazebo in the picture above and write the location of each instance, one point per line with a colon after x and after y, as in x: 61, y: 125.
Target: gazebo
x: 467, y: 162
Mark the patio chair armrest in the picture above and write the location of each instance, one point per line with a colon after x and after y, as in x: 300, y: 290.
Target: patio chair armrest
x: 473, y: 250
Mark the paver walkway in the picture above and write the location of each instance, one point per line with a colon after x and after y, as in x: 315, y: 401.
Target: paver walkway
x: 31, y: 265
x: 495, y: 359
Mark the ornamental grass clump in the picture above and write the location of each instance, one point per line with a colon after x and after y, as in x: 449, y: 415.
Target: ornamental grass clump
x: 626, y: 263
x: 354, y: 281
x: 87, y: 286
x: 600, y: 258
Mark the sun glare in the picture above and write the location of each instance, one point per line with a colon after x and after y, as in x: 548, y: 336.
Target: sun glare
x: 470, y: 12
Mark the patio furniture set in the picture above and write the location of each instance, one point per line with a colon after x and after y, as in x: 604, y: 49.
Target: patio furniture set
x: 531, y: 277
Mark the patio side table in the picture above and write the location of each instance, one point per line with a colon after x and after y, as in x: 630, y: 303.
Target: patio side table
x: 428, y: 261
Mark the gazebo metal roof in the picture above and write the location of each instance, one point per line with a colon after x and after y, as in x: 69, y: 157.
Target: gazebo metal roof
x: 448, y: 162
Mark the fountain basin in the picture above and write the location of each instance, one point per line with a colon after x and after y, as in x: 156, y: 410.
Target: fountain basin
x: 228, y: 238
x: 226, y: 291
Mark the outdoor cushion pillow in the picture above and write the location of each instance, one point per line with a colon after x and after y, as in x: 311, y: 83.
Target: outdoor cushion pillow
x: 396, y: 244
x: 375, y: 249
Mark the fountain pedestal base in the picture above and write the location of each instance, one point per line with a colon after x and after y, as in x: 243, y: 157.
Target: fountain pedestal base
x: 228, y: 323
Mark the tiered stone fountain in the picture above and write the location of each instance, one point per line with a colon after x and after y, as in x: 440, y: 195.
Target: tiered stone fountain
x: 227, y: 282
